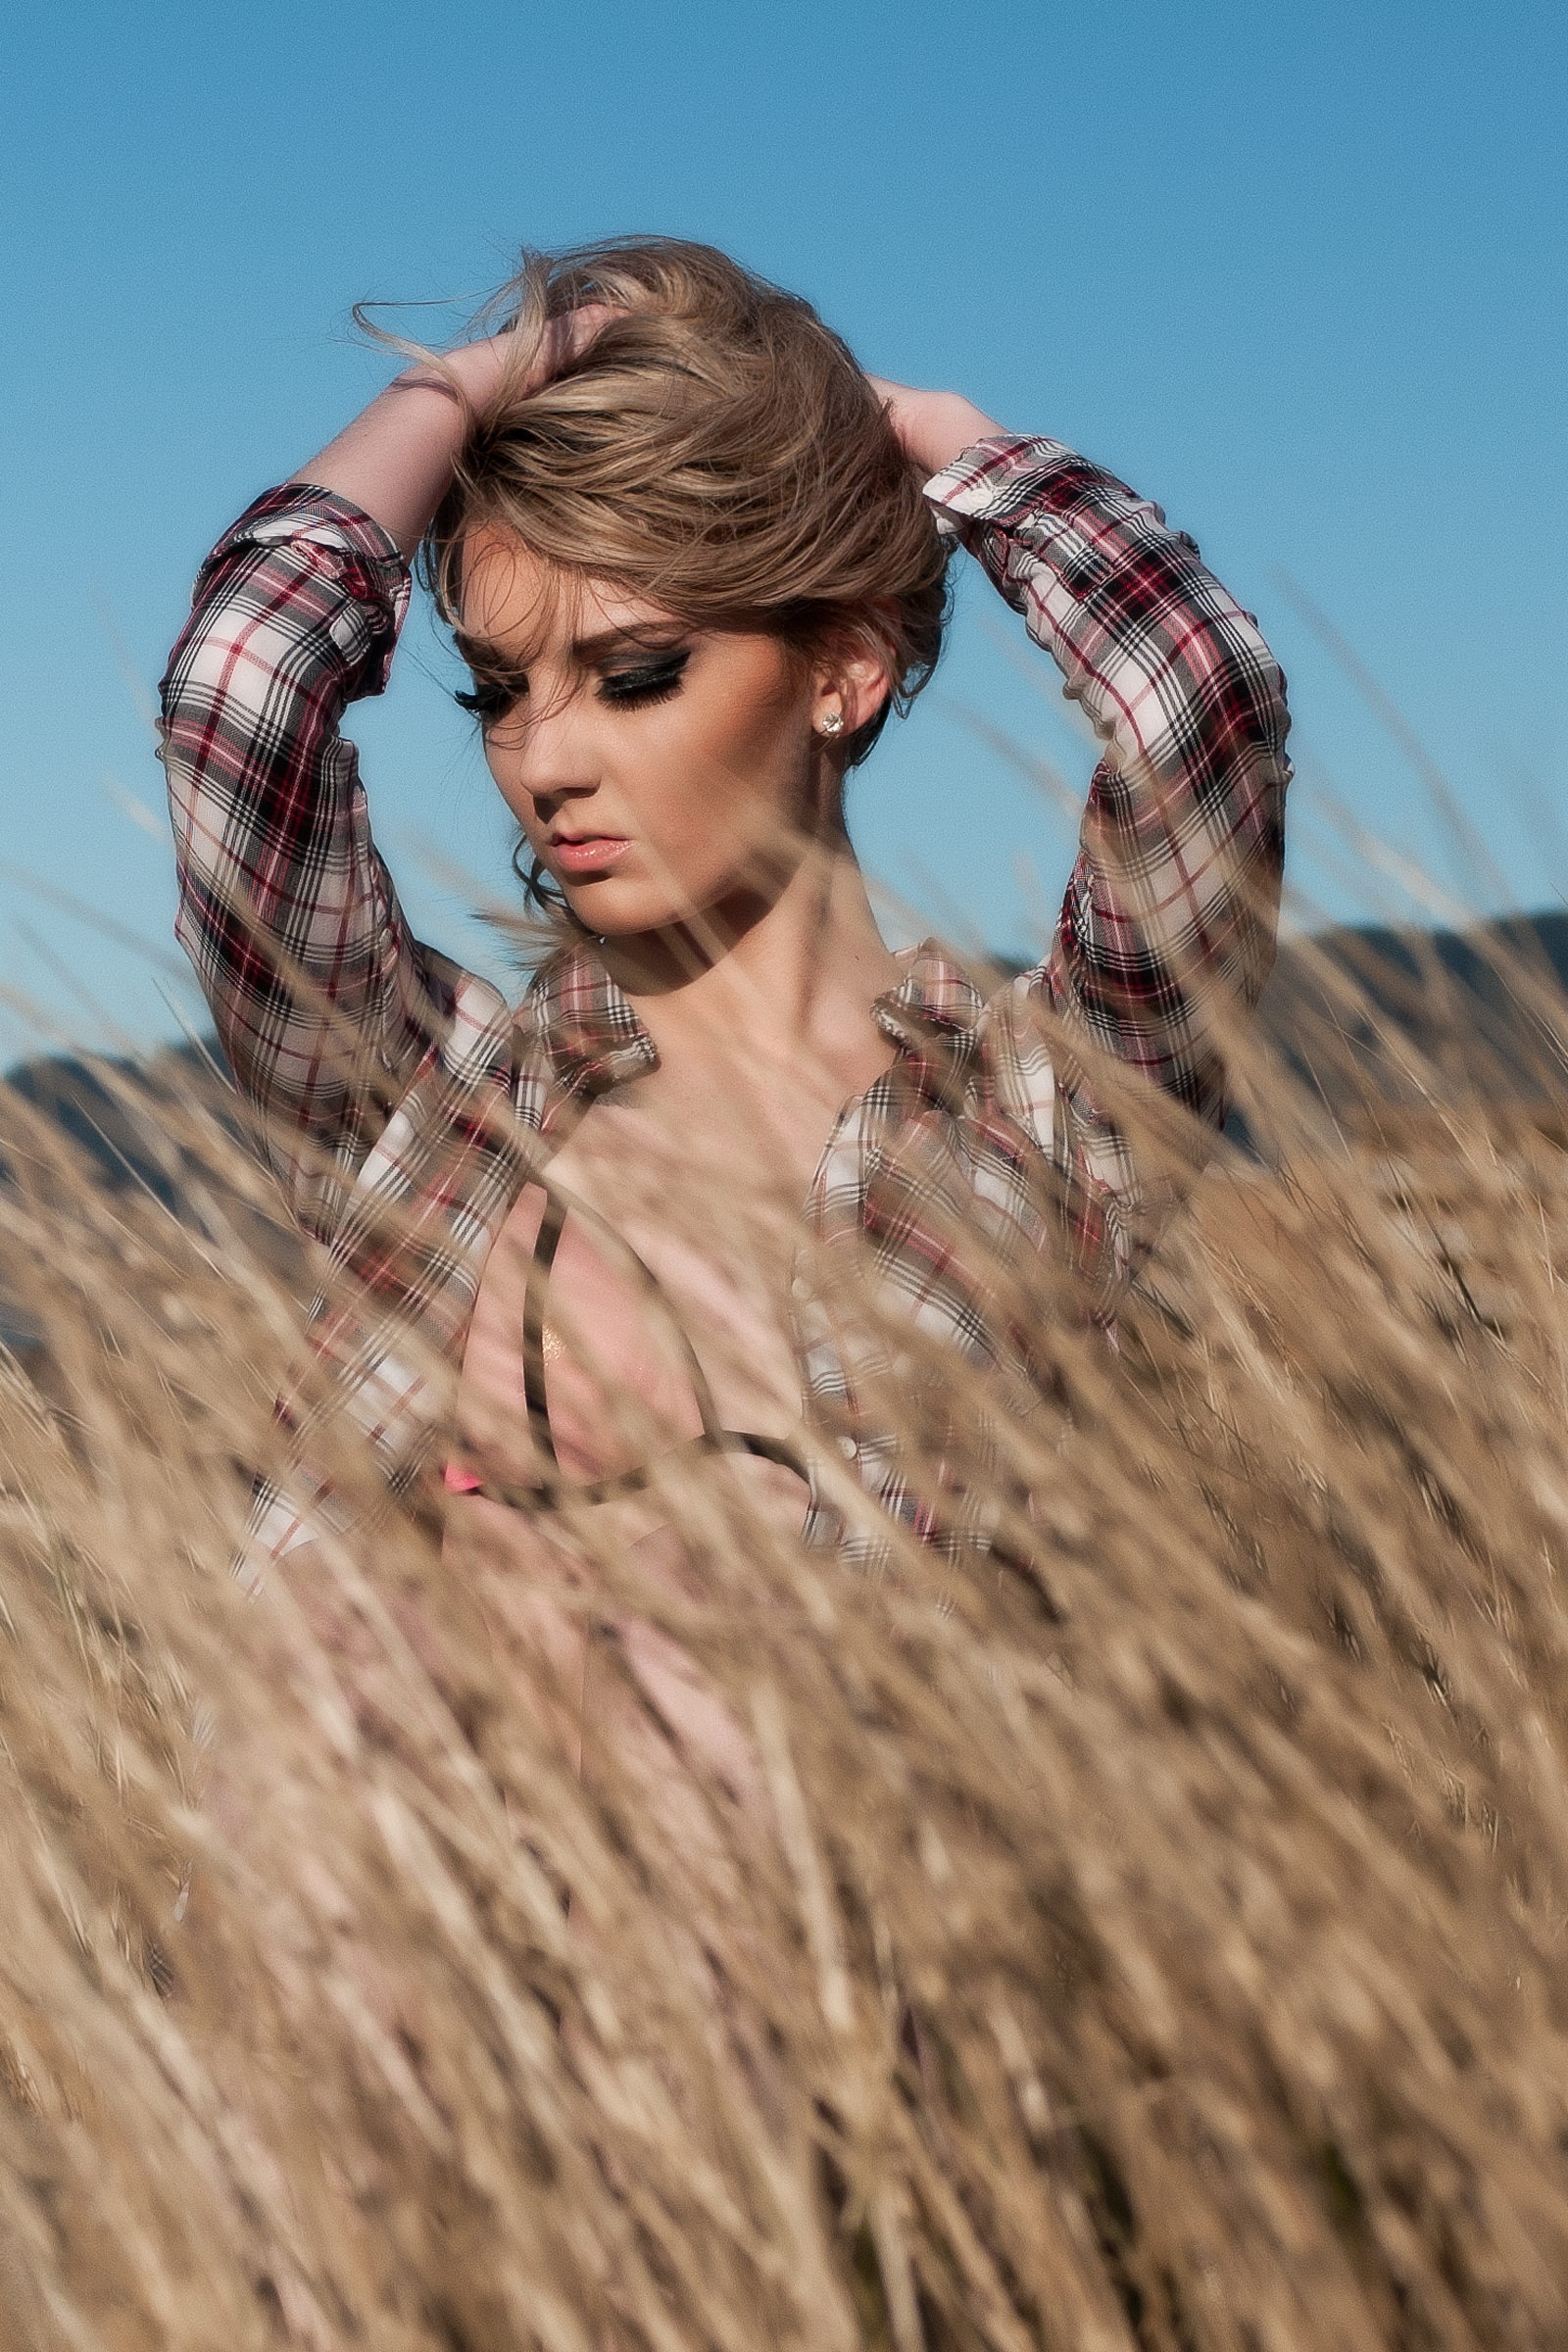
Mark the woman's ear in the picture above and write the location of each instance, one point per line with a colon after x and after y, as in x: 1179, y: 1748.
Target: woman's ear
x: 852, y: 689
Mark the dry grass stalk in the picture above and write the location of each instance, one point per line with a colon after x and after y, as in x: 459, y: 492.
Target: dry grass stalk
x: 1151, y: 1937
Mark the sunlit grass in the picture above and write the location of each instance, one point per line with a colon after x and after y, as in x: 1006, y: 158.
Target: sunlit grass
x: 1154, y: 1937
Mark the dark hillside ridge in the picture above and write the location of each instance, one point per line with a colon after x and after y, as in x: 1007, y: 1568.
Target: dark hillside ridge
x: 95, y: 1102
x: 91, y: 1111
x: 1488, y: 1008
x: 1477, y: 1003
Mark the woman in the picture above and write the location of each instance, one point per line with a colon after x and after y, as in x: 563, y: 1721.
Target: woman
x: 694, y: 557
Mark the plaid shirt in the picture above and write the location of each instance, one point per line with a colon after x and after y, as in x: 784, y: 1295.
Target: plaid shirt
x: 404, y: 1103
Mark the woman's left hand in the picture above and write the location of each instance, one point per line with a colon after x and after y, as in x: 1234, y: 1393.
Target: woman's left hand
x: 935, y: 427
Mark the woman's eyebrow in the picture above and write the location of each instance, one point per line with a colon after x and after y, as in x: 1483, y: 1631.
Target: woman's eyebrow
x: 651, y: 637
x: 648, y: 637
x: 481, y: 653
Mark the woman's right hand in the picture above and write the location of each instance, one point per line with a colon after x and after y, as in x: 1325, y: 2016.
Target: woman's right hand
x: 482, y: 368
x: 395, y: 460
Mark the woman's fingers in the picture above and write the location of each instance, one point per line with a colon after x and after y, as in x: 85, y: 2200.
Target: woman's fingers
x: 566, y: 339
x: 934, y: 427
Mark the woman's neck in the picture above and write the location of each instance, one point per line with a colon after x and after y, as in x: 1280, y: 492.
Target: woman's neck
x: 780, y: 977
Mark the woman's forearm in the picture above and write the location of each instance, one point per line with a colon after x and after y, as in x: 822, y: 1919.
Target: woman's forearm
x: 935, y: 427
x: 395, y: 460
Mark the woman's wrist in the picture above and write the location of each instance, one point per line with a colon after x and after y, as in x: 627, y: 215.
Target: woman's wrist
x: 474, y: 370
x: 395, y: 460
x: 935, y: 427
x: 948, y: 426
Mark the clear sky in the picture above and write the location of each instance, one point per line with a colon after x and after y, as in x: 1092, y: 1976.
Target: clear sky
x: 1296, y: 270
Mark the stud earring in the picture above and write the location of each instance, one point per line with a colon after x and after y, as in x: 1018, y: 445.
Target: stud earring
x: 831, y: 722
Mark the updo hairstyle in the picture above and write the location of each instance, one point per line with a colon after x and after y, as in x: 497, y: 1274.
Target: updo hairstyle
x: 718, y: 451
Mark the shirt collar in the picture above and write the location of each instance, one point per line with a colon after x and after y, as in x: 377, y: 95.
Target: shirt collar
x: 587, y: 1025
x: 935, y: 996
x: 595, y: 1039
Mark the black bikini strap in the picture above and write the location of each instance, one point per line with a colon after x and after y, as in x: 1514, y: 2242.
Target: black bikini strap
x: 547, y: 1241
x: 551, y: 1492
x: 561, y: 1493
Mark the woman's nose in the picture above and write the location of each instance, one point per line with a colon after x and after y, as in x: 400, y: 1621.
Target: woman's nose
x: 555, y: 760
x: 548, y: 795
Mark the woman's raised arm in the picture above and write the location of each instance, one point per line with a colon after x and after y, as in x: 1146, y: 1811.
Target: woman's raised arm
x: 395, y: 460
x: 1167, y: 927
x: 324, y: 1000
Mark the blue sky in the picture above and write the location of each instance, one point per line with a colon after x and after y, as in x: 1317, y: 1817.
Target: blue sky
x: 1298, y: 271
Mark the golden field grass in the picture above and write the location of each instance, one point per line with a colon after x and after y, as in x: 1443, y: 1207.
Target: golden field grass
x: 1155, y: 1938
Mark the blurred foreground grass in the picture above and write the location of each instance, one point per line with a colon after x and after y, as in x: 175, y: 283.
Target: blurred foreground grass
x: 1154, y: 1939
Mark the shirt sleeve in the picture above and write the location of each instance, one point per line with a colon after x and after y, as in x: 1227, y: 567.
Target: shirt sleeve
x: 1167, y: 928
x: 322, y: 1000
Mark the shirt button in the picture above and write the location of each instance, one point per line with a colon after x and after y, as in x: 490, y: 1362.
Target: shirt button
x: 847, y: 1448
x: 800, y: 1287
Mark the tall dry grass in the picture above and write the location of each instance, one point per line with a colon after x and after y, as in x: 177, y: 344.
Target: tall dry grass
x: 1153, y: 1939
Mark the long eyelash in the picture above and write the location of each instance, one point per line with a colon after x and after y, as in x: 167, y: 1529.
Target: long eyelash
x: 655, y: 682
x: 488, y: 701
x: 625, y: 689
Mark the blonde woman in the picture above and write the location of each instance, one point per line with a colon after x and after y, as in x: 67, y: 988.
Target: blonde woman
x: 694, y: 557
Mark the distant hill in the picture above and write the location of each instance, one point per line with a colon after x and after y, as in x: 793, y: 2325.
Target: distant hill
x: 131, y: 1155
x: 70, y: 1093
x: 1487, y: 1008
x: 1477, y: 1005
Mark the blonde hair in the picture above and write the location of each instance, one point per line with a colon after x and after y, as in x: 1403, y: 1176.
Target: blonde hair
x: 718, y: 451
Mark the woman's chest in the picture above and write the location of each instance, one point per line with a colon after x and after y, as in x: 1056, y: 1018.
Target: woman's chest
x: 651, y: 1269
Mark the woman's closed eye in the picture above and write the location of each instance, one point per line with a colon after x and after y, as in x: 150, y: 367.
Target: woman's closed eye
x: 490, y: 698
x: 651, y: 681
x: 632, y: 686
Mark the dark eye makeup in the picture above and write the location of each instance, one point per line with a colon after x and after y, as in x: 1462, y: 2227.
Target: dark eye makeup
x: 652, y: 681
x: 632, y: 687
x: 491, y: 698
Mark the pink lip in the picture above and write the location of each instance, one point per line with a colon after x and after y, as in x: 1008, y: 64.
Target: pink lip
x: 589, y: 854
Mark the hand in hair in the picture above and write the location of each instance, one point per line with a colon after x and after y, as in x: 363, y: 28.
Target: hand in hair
x: 478, y: 370
x: 934, y: 427
x: 395, y: 460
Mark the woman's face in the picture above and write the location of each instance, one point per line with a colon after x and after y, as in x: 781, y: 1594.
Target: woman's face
x: 658, y: 771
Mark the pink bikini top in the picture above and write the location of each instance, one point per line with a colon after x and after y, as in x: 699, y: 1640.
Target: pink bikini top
x: 554, y: 1490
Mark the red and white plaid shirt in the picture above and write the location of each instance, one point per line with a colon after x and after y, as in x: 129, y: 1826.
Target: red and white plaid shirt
x: 404, y: 1103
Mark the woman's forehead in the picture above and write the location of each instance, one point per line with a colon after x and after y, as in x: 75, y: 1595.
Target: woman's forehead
x: 517, y: 602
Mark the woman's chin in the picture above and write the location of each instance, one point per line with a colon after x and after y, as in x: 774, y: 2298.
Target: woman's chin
x: 626, y: 912
x: 617, y: 907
